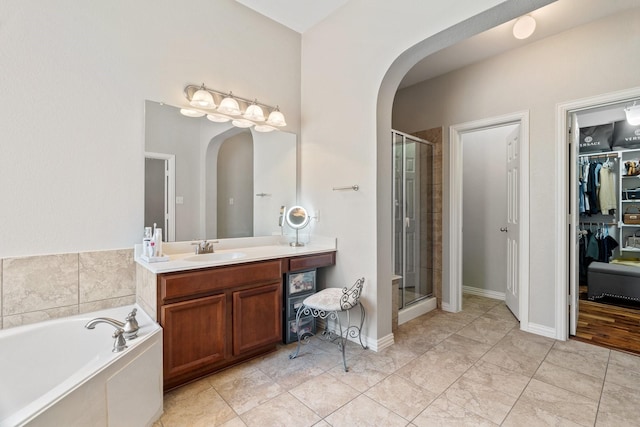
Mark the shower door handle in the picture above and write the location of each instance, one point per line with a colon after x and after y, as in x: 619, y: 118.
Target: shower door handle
x: 407, y: 222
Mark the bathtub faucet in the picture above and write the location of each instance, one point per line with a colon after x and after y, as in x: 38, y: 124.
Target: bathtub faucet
x: 129, y: 328
x: 120, y: 343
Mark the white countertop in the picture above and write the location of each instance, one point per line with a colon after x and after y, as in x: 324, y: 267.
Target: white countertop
x: 251, y: 248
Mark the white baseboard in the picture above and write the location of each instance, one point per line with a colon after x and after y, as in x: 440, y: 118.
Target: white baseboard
x: 380, y: 344
x: 483, y: 292
x: 545, y: 331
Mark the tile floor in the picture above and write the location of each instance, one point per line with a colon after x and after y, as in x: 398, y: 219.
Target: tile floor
x: 473, y: 368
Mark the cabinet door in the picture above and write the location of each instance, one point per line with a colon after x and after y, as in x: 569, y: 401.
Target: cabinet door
x: 257, y: 317
x: 194, y: 334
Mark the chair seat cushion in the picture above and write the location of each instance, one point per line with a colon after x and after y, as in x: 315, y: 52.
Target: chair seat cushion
x: 325, y: 300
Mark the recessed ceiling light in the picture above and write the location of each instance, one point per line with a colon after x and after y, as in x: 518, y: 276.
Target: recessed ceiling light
x: 524, y: 27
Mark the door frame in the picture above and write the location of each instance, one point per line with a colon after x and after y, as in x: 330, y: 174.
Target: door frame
x: 563, y: 181
x: 455, y: 209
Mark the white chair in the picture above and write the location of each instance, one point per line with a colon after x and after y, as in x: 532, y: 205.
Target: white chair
x: 328, y: 304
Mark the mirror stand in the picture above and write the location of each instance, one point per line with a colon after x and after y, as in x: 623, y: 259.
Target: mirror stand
x: 297, y: 243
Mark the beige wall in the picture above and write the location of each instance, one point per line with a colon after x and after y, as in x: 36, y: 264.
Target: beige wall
x: 586, y: 61
x: 75, y: 76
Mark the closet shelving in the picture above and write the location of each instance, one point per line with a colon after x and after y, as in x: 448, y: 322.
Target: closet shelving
x: 627, y: 183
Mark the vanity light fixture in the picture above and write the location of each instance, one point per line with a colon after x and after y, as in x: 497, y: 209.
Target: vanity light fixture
x: 202, y: 98
x: 254, y: 112
x: 229, y: 105
x: 524, y: 27
x: 633, y: 114
x: 241, y: 112
x: 276, y: 118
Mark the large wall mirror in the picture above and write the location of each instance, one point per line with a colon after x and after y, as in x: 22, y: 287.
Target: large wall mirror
x: 207, y: 180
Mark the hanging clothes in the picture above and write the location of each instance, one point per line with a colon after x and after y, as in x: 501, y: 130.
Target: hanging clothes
x: 592, y: 189
x: 607, y: 194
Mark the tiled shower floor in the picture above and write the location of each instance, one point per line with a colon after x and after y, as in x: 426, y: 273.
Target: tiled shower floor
x: 473, y: 368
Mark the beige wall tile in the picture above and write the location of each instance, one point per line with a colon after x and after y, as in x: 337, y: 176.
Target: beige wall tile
x: 39, y: 283
x: 88, y: 307
x: 146, y: 291
x: 106, y: 274
x: 38, y: 316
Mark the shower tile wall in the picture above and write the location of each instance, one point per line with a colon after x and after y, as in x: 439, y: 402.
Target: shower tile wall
x: 38, y: 288
x: 433, y: 215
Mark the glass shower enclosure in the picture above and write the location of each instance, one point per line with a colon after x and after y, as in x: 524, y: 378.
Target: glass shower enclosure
x: 412, y: 217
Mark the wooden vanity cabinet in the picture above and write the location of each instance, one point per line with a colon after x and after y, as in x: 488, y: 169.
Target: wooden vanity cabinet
x: 216, y: 317
x: 219, y: 316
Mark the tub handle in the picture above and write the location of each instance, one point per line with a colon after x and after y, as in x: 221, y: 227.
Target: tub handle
x: 120, y: 343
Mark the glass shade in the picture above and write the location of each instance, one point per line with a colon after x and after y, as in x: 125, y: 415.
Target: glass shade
x: 255, y: 113
x: 229, y: 106
x: 242, y: 123
x: 203, y: 99
x: 264, y: 128
x: 191, y: 113
x: 218, y: 118
x: 276, y: 118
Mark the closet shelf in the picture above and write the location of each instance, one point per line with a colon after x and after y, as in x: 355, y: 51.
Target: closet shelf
x: 630, y: 249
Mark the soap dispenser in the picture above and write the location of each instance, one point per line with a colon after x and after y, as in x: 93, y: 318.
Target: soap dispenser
x: 146, y: 242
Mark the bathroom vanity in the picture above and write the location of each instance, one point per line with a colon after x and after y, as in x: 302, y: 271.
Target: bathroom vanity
x: 226, y: 308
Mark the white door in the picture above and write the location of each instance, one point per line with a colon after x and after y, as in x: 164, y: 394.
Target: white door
x: 574, y: 274
x: 512, y: 229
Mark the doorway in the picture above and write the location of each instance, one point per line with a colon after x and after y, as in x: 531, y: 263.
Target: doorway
x: 488, y: 240
x: 160, y: 189
x: 413, y: 231
x: 516, y: 224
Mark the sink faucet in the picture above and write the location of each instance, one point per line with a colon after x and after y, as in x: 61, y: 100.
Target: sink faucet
x: 129, y: 327
x: 204, y: 247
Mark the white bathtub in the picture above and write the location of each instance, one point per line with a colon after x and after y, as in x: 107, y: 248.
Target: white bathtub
x: 60, y: 373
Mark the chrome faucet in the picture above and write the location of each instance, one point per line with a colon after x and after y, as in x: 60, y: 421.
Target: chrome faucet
x: 129, y: 328
x: 204, y: 247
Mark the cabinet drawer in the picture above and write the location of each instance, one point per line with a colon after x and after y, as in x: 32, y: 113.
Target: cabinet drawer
x: 307, y: 326
x: 312, y: 261
x: 193, y: 283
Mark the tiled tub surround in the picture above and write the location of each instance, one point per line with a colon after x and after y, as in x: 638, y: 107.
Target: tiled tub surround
x: 38, y: 288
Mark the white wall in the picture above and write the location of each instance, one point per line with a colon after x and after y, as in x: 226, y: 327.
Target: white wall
x: 586, y: 61
x: 352, y: 64
x: 484, y: 208
x: 74, y: 79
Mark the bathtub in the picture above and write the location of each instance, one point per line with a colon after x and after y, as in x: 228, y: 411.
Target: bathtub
x: 60, y: 373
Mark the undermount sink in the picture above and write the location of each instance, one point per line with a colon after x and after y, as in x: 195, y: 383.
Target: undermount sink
x: 216, y: 256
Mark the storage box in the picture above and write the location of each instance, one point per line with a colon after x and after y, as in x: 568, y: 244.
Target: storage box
x: 631, y: 194
x: 303, y: 281
x: 594, y: 139
x: 625, y: 136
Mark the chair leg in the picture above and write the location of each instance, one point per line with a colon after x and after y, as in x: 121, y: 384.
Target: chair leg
x: 343, y: 339
x: 297, y: 350
x: 363, y: 314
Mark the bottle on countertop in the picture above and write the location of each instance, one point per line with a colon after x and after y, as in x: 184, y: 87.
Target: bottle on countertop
x: 157, y: 242
x: 146, y: 242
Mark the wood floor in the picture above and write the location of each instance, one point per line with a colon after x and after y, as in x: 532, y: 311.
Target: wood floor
x: 609, y: 326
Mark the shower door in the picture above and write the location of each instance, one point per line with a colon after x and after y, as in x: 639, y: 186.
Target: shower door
x: 412, y: 217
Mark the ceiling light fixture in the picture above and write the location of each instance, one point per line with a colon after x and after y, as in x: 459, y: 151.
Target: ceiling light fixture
x: 524, y: 27
x: 241, y: 112
x: 633, y: 114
